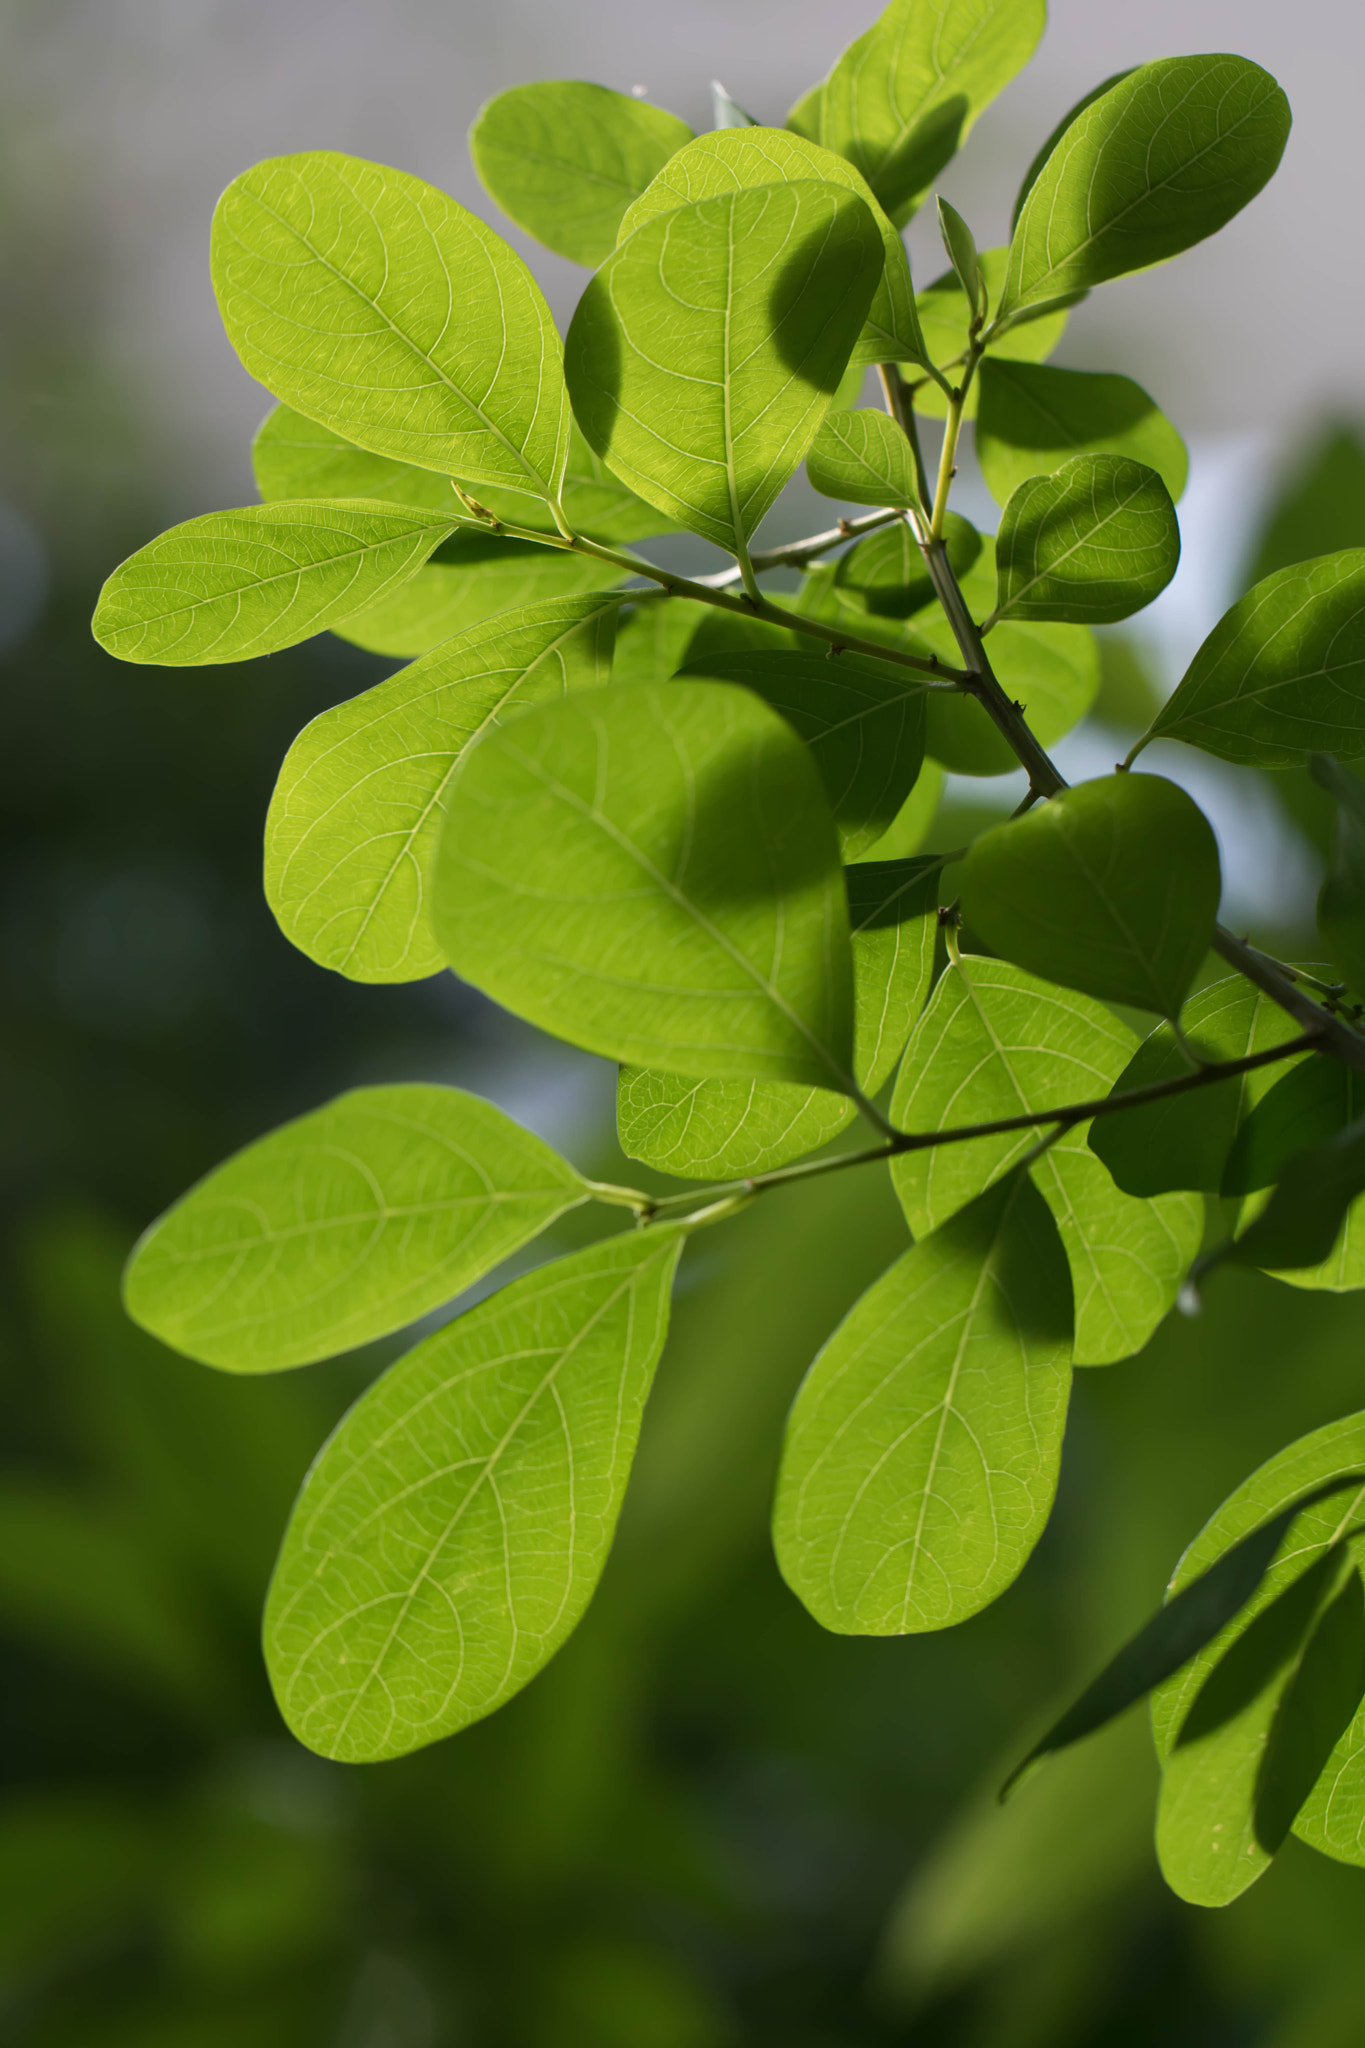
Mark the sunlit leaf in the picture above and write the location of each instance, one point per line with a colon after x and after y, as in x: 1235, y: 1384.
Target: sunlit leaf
x: 565, y: 159
x: 706, y: 351
x: 921, y: 1453
x: 377, y: 306
x: 1161, y: 160
x: 914, y: 821
x: 473, y: 579
x: 1111, y: 887
x: 231, y: 585
x: 861, y: 457
x: 456, y: 1523
x: 653, y: 873
x: 1302, y: 1222
x: 343, y: 1225
x: 961, y: 247
x: 1092, y: 543
x: 944, y: 317
x: 357, y: 811
x: 1033, y: 418
x: 1030, y: 177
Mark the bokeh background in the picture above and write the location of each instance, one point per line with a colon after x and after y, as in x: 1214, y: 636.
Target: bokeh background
x: 707, y: 1824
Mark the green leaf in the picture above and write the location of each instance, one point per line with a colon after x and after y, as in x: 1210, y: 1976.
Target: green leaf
x: 944, y: 317
x: 960, y: 244
x: 1320, y: 508
x: 1155, y: 164
x: 231, y: 585
x: 1305, y: 1106
x: 914, y: 821
x: 1111, y: 887
x: 711, y: 1129
x: 472, y: 579
x: 861, y: 457
x: 354, y: 822
x: 994, y: 1043
x: 862, y: 723
x: 454, y: 1527
x: 728, y: 113
x: 738, y: 159
x: 295, y: 458
x: 1189, y: 1621
x: 884, y: 573
x: 903, y: 98
x: 1282, y: 674
x: 564, y: 160
x: 1341, y: 900
x: 1184, y: 1142
x: 1032, y: 418
x: 731, y: 321
x: 376, y: 306
x: 344, y: 1225
x: 1302, y: 1222
x: 922, y: 1449
x: 652, y: 640
x: 1030, y: 177
x: 1092, y: 543
x: 654, y: 874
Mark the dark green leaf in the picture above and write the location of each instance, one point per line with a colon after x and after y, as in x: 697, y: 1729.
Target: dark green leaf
x: 1320, y: 508
x: 455, y: 1525
x: 861, y: 457
x: 733, y: 320
x: 1092, y: 543
x: 1154, y: 165
x: 1111, y: 887
x: 1303, y: 1218
x: 1305, y: 1106
x: 565, y: 159
x: 654, y: 874
x: 1341, y: 901
x: 884, y: 573
x: 1032, y: 419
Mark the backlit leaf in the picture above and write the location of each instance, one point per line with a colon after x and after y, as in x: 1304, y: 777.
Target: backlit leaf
x: 357, y: 811
x: 231, y: 585
x: 1161, y: 160
x: 961, y: 247
x: 473, y: 578
x: 705, y: 352
x: 654, y: 874
x: 456, y: 1523
x: 734, y: 159
x: 343, y: 1225
x: 922, y: 1449
x: 377, y: 306
x: 1092, y: 543
x: 914, y: 821
x: 565, y: 159
x: 1111, y: 887
x: 1030, y: 177
x: 944, y: 316
x: 903, y: 98
x: 861, y: 457
x: 1033, y: 418
x: 884, y: 573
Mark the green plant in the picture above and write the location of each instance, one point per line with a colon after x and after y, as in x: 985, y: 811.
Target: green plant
x: 645, y: 812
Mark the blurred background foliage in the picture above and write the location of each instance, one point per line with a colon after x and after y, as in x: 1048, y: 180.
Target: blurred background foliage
x: 707, y: 1824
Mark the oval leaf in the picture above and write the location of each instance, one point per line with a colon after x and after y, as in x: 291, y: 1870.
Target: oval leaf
x: 343, y: 1225
x: 455, y: 1525
x: 922, y: 1450
x: 565, y: 159
x: 375, y: 305
x: 1092, y: 543
x: 733, y: 320
x: 236, y: 584
x: 473, y: 578
x: 1161, y: 160
x: 885, y: 573
x: 351, y: 836
x: 654, y: 874
x: 1032, y: 418
x: 1111, y: 887
x: 861, y: 457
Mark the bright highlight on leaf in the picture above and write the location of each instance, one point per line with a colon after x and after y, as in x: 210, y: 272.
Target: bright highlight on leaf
x: 1092, y: 543
x: 375, y: 305
x: 706, y: 351
x: 1111, y: 888
x: 653, y: 874
x: 863, y: 458
x: 455, y: 1526
x: 235, y: 584
x: 343, y: 1225
x: 1033, y: 418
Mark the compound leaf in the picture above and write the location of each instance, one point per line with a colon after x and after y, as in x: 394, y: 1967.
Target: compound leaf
x: 1110, y: 887
x: 734, y: 159
x: 453, y: 1529
x: 861, y: 457
x: 344, y: 1225
x: 564, y: 160
x: 903, y: 98
x: 1283, y: 673
x: 1164, y: 158
x: 706, y: 351
x: 922, y: 1449
x: 1032, y: 418
x: 473, y: 578
x: 231, y: 585
x: 1092, y: 543
x: 356, y: 815
x: 654, y: 874
x: 377, y: 306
